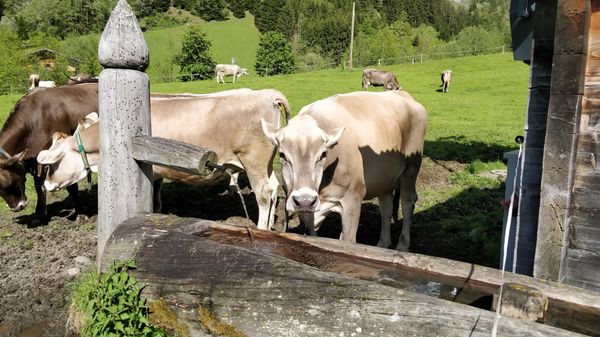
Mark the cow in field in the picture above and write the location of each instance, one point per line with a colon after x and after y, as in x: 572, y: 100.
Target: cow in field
x: 227, y: 123
x: 222, y: 70
x: 348, y: 148
x: 28, y: 130
x: 446, y: 79
x: 36, y: 83
x: 378, y: 78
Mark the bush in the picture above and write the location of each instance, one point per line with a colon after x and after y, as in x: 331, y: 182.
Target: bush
x: 311, y: 61
x: 195, y: 60
x: 274, y: 55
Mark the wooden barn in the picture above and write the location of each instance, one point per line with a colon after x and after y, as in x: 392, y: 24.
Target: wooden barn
x: 559, y: 212
x: 209, y: 279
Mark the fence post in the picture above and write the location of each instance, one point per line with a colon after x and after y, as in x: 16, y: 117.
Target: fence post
x: 124, y: 186
x: 421, y: 57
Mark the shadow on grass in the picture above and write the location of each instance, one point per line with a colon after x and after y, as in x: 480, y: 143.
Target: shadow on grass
x: 467, y: 227
x: 459, y: 148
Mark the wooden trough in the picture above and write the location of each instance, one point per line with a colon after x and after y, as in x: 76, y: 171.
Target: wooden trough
x: 208, y: 278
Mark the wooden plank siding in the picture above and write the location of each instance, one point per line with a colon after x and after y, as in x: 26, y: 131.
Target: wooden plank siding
x: 581, y: 266
x: 566, y: 93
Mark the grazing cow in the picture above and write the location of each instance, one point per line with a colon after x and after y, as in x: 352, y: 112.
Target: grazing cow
x: 222, y: 70
x: 347, y: 148
x: 82, y: 78
x: 378, y: 78
x: 227, y: 123
x: 446, y: 79
x: 28, y: 130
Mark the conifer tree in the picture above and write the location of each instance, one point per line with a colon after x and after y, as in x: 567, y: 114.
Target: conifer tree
x: 195, y: 60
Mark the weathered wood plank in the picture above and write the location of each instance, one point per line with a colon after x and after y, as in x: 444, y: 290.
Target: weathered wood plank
x: 173, y: 154
x: 569, y: 73
x: 244, y: 292
x: 572, y: 16
x: 388, y: 267
x: 583, y: 268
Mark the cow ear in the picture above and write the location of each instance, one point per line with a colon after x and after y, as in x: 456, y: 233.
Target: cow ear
x: 270, y: 131
x: 87, y: 121
x: 333, y: 137
x: 48, y: 157
x: 56, y: 137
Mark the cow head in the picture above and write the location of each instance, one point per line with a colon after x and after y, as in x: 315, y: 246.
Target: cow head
x: 244, y: 71
x: 303, y: 148
x: 66, y: 166
x: 12, y: 181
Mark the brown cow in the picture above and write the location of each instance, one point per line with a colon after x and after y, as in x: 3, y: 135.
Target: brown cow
x: 446, y: 79
x: 378, y: 78
x: 28, y: 130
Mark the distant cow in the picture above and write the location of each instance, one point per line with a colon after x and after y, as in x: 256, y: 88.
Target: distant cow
x: 446, y: 79
x: 36, y: 83
x: 348, y: 148
x: 378, y: 78
x: 222, y: 70
x: 227, y: 123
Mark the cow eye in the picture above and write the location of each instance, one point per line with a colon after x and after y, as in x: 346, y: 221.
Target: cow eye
x: 323, y: 156
x: 282, y: 156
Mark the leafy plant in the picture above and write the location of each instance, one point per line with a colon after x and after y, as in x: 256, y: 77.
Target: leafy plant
x: 112, y: 304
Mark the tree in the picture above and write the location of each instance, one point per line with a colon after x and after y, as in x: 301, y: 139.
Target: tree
x: 195, y: 60
x: 12, y: 62
x: 267, y: 17
x: 211, y: 10
x: 238, y: 8
x: 274, y: 55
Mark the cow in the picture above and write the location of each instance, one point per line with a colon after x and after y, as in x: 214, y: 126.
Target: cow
x: 348, y: 148
x: 36, y: 83
x: 227, y: 123
x: 378, y: 78
x: 222, y: 70
x: 28, y: 130
x: 446, y: 79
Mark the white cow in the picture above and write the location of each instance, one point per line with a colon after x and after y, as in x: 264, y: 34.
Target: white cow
x: 227, y: 123
x: 35, y: 82
x: 347, y: 148
x: 446, y: 79
x: 222, y: 70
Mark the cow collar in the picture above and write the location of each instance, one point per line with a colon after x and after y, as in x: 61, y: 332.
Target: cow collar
x: 86, y: 163
x: 4, y: 153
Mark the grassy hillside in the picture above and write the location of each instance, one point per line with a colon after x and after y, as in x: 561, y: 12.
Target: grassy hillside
x: 237, y: 38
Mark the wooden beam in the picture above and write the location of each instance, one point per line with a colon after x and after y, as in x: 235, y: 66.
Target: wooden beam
x: 173, y: 154
x: 385, y: 267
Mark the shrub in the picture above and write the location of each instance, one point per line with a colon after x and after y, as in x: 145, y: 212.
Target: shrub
x: 274, y: 55
x: 195, y: 60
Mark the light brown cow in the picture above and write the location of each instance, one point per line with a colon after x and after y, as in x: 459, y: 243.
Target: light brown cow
x: 378, y: 78
x: 446, y: 79
x: 227, y: 123
x: 222, y: 70
x: 347, y: 148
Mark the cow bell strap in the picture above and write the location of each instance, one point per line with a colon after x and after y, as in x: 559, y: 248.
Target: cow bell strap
x: 84, y: 158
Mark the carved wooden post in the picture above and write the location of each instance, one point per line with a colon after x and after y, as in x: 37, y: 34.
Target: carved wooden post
x: 124, y: 185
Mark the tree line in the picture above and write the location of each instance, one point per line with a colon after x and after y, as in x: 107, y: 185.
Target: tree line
x: 315, y: 33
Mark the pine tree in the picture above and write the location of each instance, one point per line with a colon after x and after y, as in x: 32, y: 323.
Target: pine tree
x: 238, y: 8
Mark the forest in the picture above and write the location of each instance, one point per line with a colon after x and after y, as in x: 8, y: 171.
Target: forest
x: 318, y: 31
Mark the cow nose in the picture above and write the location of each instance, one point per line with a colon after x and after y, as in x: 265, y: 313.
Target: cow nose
x: 305, y: 201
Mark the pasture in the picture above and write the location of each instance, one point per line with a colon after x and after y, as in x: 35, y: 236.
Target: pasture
x: 458, y: 214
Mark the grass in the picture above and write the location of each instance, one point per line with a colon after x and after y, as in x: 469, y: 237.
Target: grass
x: 471, y: 126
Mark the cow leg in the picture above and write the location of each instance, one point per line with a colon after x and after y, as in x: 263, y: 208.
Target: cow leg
x: 386, y: 206
x: 156, y: 195
x: 74, y: 196
x: 41, y: 212
x: 350, y: 210
x: 408, y: 197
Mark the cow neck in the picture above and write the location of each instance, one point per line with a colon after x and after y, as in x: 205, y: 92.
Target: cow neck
x: 12, y: 136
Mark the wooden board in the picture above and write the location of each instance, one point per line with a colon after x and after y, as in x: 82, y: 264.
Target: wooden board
x: 246, y: 280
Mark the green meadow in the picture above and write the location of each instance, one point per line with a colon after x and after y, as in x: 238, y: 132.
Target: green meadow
x: 470, y: 128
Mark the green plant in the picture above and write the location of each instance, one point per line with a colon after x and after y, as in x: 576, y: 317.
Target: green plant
x: 112, y: 304
x: 274, y: 55
x: 195, y: 60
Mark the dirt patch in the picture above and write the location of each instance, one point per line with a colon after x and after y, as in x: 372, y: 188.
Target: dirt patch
x: 37, y: 264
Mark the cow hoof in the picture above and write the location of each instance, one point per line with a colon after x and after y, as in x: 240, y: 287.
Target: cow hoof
x: 384, y: 244
x: 403, y: 247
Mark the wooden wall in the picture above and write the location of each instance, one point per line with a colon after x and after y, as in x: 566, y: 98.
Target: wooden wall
x: 581, y: 264
x: 568, y: 239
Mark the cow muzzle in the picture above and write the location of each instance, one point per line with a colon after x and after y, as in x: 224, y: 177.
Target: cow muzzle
x: 304, y: 200
x: 20, y: 206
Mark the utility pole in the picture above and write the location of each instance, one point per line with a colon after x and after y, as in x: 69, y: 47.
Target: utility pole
x: 352, y: 35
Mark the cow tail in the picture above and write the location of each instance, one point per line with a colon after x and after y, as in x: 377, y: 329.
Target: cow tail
x: 284, y: 107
